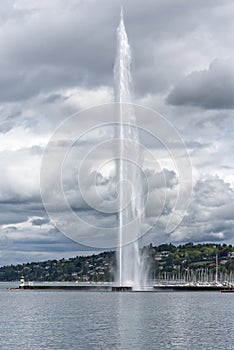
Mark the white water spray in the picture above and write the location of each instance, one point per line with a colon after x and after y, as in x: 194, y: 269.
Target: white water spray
x: 130, y: 260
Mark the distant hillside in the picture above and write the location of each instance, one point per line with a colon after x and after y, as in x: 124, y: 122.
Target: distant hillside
x: 193, y: 262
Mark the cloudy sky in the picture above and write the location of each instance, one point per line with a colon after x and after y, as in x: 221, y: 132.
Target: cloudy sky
x: 57, y: 58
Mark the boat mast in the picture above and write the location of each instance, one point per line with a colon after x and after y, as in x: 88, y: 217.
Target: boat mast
x: 216, y: 269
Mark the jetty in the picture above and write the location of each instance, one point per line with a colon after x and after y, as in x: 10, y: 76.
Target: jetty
x: 109, y: 287
x: 191, y: 288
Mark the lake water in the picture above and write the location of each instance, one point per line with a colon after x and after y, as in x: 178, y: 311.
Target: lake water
x: 103, y: 320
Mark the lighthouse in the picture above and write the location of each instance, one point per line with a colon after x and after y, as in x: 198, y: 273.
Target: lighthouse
x: 22, y: 282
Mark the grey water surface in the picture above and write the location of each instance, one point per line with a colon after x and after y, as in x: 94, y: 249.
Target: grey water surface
x: 111, y: 320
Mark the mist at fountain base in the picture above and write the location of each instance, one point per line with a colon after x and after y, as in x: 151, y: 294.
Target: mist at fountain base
x: 134, y: 268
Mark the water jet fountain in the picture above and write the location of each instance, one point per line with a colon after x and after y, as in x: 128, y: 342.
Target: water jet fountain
x: 129, y: 258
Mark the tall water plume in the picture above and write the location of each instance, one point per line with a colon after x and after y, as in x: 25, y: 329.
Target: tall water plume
x: 129, y: 258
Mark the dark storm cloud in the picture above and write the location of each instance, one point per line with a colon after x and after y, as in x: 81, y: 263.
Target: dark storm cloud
x: 210, y: 214
x: 40, y: 221
x: 54, y: 98
x: 16, y: 212
x: 61, y: 46
x: 44, y: 52
x: 39, y: 246
x: 162, y: 179
x: 210, y: 89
